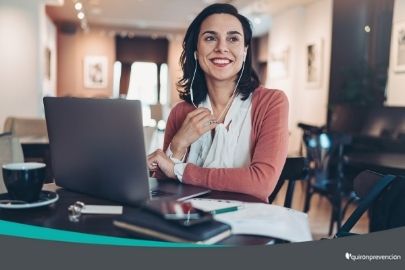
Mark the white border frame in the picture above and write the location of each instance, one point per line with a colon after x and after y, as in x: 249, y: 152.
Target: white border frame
x: 318, y: 61
x: 396, y: 29
x: 89, y: 80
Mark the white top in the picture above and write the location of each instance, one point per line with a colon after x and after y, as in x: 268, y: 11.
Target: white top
x: 230, y: 148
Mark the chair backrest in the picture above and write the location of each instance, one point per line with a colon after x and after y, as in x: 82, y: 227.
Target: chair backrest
x: 10, y: 151
x: 387, y: 211
x: 324, y: 151
x: 156, y: 111
x: 368, y: 186
x: 319, y: 150
x: 26, y: 127
x: 295, y: 168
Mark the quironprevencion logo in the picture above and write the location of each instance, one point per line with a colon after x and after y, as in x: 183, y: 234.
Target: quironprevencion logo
x: 373, y: 257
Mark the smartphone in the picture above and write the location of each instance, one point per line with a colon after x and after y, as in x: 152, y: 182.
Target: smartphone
x: 182, y: 213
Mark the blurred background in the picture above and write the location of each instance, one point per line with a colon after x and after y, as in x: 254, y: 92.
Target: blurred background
x: 340, y: 62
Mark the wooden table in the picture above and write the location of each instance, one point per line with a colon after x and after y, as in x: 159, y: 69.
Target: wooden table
x: 56, y: 216
x: 386, y: 163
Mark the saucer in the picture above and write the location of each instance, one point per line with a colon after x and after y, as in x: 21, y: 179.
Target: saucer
x: 45, y: 198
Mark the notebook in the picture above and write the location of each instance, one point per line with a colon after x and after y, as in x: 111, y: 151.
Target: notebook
x: 97, y: 148
x: 140, y: 222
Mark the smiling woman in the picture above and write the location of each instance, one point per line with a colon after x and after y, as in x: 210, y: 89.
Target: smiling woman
x: 229, y: 133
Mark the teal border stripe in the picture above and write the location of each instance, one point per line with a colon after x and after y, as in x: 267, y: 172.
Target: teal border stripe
x: 42, y: 233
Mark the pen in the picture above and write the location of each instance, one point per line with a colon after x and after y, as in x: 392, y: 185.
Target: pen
x: 225, y: 210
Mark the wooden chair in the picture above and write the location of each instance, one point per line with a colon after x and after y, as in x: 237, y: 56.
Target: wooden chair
x: 295, y: 169
x: 26, y: 127
x: 368, y: 186
x: 324, y: 151
x: 10, y: 151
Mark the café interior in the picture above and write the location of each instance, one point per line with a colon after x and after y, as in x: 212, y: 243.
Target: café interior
x: 341, y: 64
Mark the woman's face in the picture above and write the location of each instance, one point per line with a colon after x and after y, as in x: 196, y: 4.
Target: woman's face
x: 220, y: 47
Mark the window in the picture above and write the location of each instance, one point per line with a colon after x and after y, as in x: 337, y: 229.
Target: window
x: 164, y: 74
x: 116, y: 79
x: 149, y: 86
x: 143, y: 82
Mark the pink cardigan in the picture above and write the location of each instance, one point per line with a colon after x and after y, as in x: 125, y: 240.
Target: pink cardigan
x: 269, y: 142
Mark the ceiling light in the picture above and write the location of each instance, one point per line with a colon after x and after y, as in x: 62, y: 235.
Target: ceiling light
x: 78, y: 6
x: 80, y: 15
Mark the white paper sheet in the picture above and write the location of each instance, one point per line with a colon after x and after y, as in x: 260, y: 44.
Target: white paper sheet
x: 261, y: 219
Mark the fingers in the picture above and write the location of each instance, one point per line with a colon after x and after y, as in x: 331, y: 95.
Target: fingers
x: 153, y: 160
x: 159, y: 160
x: 196, y: 112
x: 153, y: 166
x: 198, y: 117
x: 203, y: 121
x: 206, y: 124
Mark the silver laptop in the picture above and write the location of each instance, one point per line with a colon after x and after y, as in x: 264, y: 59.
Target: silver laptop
x: 97, y: 148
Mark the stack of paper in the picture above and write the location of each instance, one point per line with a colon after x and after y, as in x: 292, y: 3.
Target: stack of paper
x: 261, y: 219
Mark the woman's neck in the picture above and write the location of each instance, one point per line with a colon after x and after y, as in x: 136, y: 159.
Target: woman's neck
x: 220, y: 93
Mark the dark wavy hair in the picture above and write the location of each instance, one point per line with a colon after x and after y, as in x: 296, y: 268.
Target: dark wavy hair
x: 249, y: 80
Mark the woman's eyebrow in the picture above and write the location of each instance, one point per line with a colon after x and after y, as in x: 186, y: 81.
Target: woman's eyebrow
x: 228, y: 33
x: 234, y: 33
x: 209, y: 32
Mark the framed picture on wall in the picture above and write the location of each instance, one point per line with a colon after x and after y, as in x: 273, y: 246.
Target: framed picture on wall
x: 314, y: 60
x: 95, y: 72
x: 47, y: 63
x: 399, y: 47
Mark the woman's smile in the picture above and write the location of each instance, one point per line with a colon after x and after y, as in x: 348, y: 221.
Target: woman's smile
x: 221, y: 62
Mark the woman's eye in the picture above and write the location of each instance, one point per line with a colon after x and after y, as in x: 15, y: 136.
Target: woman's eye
x: 233, y: 39
x: 210, y: 38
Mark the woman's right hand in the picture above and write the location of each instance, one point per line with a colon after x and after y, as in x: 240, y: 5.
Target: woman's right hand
x: 194, y: 126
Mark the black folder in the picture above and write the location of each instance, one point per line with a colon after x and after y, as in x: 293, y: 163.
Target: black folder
x: 144, y: 223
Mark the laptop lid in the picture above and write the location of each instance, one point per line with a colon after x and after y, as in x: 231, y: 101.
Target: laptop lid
x: 97, y: 147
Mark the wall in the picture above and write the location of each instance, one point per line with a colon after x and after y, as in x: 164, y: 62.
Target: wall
x: 48, y: 62
x: 396, y: 81
x: 19, y: 63
x: 175, y: 72
x: 20, y: 58
x: 287, y: 34
x: 72, y: 49
x: 294, y: 29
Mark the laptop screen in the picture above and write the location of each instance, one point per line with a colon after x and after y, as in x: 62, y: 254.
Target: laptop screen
x: 97, y: 147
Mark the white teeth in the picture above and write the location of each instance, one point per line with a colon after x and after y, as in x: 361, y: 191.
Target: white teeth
x: 221, y: 61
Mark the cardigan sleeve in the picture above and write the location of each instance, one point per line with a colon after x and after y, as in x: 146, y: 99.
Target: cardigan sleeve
x: 176, y: 117
x: 269, y: 152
